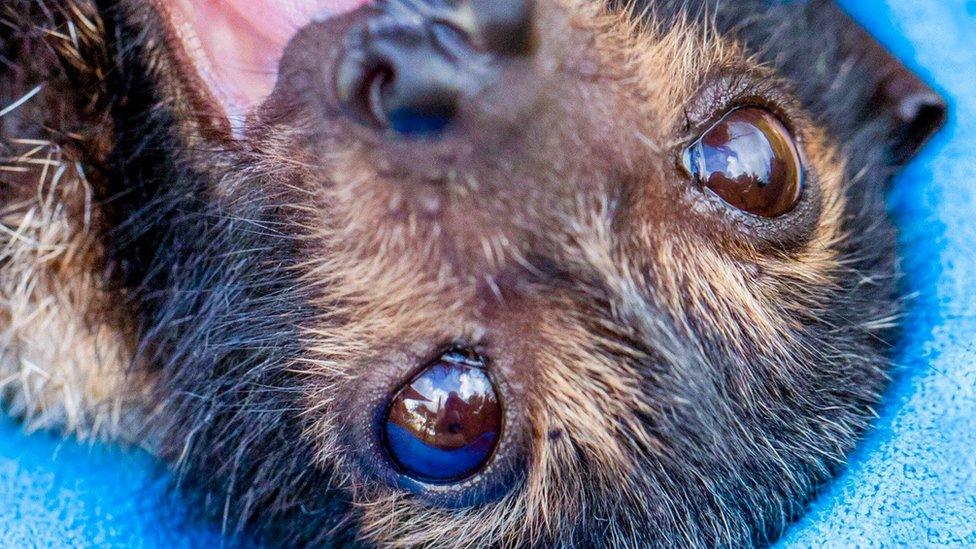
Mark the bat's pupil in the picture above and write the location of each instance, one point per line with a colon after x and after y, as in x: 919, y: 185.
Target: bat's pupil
x: 444, y: 424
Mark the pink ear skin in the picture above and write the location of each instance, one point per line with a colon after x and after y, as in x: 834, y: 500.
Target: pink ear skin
x: 235, y: 45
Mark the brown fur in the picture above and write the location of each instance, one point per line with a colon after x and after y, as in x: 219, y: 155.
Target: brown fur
x: 64, y: 354
x: 585, y: 373
x: 677, y: 375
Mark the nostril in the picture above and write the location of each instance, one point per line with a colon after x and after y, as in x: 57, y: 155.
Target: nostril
x: 400, y: 82
x: 408, y: 66
x: 420, y: 99
x: 444, y: 424
x: 360, y: 88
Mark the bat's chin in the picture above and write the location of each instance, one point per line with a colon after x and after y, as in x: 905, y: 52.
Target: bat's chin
x: 234, y: 46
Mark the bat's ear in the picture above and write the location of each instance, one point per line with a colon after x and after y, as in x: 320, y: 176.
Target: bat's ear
x: 918, y: 109
x: 914, y: 109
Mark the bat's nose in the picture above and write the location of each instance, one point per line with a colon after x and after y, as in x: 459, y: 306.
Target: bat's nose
x: 410, y: 64
x: 501, y: 26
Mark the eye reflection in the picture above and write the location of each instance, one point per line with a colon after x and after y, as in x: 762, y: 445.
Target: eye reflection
x: 444, y: 424
x: 750, y: 160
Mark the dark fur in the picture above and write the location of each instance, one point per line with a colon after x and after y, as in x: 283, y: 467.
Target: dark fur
x: 220, y: 309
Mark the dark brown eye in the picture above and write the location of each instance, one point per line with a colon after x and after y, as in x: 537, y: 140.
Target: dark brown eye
x: 444, y: 424
x: 750, y: 160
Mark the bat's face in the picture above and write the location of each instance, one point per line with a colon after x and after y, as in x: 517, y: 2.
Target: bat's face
x: 500, y: 272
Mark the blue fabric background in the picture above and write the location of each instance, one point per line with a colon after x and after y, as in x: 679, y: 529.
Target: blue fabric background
x: 913, y: 481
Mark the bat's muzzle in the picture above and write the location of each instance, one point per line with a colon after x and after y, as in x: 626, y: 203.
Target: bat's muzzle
x: 409, y: 66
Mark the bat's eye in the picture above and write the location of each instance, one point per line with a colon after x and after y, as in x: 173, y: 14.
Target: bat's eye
x: 750, y: 160
x: 444, y: 424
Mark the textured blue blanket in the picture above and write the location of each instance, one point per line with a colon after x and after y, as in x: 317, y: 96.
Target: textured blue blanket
x: 913, y: 481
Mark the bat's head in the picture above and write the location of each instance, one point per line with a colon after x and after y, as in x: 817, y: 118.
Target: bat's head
x: 505, y: 272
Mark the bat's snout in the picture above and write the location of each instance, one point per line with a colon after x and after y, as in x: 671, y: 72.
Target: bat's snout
x: 414, y: 68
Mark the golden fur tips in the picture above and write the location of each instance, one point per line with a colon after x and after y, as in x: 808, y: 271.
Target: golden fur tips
x: 243, y: 298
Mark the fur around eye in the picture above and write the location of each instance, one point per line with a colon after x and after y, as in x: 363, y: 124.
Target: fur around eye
x: 359, y: 281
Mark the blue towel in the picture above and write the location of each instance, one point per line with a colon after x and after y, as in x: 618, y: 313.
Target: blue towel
x: 913, y: 481
x: 56, y: 493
